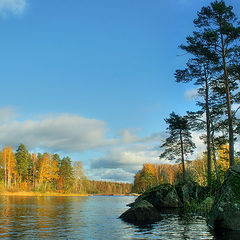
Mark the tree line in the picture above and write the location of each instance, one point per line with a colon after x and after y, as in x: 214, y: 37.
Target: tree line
x: 214, y: 67
x: 25, y: 171
x: 197, y: 171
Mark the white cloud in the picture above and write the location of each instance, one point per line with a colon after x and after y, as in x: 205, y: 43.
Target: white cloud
x: 64, y: 132
x: 129, y: 158
x: 117, y: 174
x: 128, y: 136
x: 16, y: 7
x: 191, y: 94
x: 200, y: 146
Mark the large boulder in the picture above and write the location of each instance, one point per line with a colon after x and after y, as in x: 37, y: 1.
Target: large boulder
x: 162, y: 196
x: 188, y: 191
x: 225, y: 213
x: 141, y: 212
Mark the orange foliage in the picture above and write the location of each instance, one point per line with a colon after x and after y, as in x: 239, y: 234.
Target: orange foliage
x: 9, y: 165
x: 48, y: 169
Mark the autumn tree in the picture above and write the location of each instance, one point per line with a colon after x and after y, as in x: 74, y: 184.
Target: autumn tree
x: 179, y: 143
x: 9, y: 165
x: 79, y: 176
x: 33, y: 170
x: 48, y: 170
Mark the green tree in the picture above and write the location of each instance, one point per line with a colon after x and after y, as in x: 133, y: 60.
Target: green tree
x: 22, y: 162
x: 221, y: 29
x: 200, y: 69
x: 66, y: 174
x: 179, y: 143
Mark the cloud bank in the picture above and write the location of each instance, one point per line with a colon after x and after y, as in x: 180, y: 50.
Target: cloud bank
x: 64, y: 132
x: 15, y: 7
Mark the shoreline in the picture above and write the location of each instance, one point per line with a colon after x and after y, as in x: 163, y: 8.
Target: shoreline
x: 41, y: 194
x: 55, y: 194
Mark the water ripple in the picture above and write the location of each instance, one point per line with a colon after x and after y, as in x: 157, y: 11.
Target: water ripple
x: 87, y: 218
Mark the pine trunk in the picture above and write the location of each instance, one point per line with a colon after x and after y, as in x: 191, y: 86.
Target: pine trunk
x: 214, y: 156
x: 209, y: 164
x: 229, y: 109
x: 182, y: 155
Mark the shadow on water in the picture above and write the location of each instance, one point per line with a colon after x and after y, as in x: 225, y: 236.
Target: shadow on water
x: 226, y: 235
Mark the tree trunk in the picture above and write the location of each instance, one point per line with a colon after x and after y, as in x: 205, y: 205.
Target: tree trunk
x: 209, y: 173
x: 5, y: 172
x: 182, y: 157
x: 229, y: 109
x: 214, y: 157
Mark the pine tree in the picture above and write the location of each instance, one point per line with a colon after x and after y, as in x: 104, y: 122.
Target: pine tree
x: 220, y: 28
x: 23, y: 159
x: 66, y: 173
x: 179, y: 143
x: 200, y: 69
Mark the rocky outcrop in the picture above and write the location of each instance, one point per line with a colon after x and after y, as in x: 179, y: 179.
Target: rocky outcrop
x: 162, y: 196
x: 188, y: 191
x: 225, y: 213
x: 148, y: 206
x: 162, y: 199
x: 141, y: 212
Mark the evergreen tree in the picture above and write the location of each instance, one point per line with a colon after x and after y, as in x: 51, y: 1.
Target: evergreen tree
x: 200, y: 69
x: 66, y: 173
x: 220, y: 28
x: 179, y: 143
x: 22, y: 162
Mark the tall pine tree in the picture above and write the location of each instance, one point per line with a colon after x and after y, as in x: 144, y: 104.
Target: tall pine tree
x: 22, y: 162
x: 179, y: 143
x: 221, y: 29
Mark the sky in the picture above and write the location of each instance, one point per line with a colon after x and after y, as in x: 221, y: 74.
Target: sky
x: 93, y: 79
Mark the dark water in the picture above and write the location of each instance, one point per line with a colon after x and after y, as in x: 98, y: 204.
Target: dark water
x: 88, y: 218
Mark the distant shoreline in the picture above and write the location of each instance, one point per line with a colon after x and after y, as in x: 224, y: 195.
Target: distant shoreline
x: 41, y: 194
x: 55, y: 194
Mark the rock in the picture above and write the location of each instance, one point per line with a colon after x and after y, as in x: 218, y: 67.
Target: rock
x: 162, y: 196
x: 161, y: 199
x: 225, y: 213
x: 188, y: 191
x: 206, y: 205
x: 141, y: 212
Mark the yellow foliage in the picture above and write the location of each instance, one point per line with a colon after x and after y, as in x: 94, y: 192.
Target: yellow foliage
x: 223, y: 158
x: 9, y: 165
x: 48, y: 169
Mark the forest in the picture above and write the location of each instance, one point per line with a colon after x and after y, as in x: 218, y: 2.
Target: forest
x: 25, y: 171
x: 196, y: 171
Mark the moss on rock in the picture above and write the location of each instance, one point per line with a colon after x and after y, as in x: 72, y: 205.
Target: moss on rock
x: 225, y: 213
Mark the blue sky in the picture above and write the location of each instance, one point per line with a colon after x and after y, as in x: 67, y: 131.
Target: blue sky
x: 94, y: 79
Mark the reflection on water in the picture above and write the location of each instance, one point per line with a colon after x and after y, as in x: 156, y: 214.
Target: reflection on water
x: 89, y: 218
x: 39, y: 217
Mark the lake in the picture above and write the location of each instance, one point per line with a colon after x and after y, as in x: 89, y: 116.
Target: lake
x: 90, y: 217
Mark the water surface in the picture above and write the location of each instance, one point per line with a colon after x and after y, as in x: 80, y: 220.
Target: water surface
x: 93, y: 217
